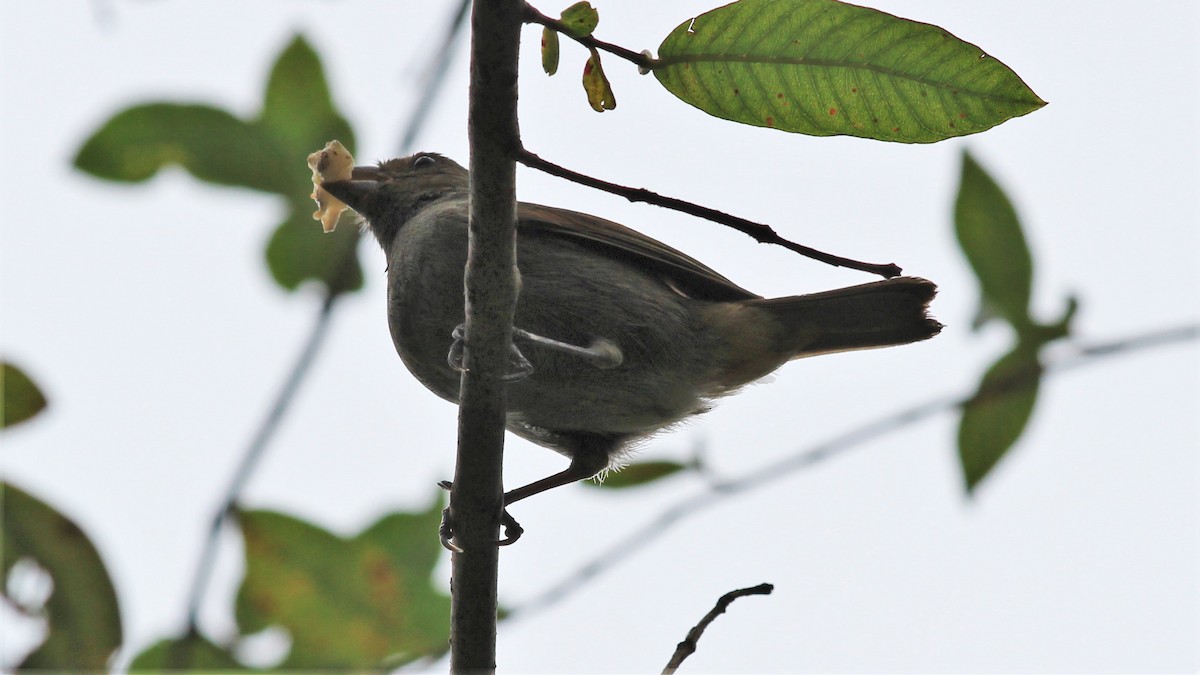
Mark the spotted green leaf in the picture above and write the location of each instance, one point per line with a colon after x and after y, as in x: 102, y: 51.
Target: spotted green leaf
x: 825, y: 68
x: 599, y: 92
x: 365, y: 602
x: 580, y: 19
x: 550, y: 51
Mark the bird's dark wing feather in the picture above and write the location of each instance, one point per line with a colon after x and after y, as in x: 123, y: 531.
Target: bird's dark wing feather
x: 688, y: 275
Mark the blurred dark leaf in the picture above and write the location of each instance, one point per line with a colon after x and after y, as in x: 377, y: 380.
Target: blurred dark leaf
x: 299, y: 250
x: 192, y: 652
x: 212, y: 144
x: 298, y: 110
x: 638, y: 474
x: 991, y: 237
x: 580, y: 19
x: 22, y: 398
x: 265, y: 154
x: 354, y: 603
x: 82, y: 611
x: 550, y: 51
x: 595, y: 83
x: 826, y: 68
x: 996, y: 416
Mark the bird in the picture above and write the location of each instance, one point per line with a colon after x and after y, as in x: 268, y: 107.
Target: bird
x: 617, y: 336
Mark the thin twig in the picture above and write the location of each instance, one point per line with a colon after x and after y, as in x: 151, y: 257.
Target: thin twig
x: 295, y: 377
x: 688, y: 646
x: 178, y: 656
x: 785, y: 467
x: 764, y: 234
x: 642, y: 61
x: 435, y: 74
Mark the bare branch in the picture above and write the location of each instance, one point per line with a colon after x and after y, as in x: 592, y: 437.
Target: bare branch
x: 803, y: 459
x: 477, y: 497
x: 688, y: 646
x: 763, y: 234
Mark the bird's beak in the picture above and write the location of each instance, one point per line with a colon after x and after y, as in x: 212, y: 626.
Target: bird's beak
x: 364, y: 180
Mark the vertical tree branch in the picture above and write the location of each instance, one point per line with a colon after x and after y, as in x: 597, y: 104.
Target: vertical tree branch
x: 476, y: 500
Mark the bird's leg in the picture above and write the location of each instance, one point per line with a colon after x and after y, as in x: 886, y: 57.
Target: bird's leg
x: 587, y: 460
x: 583, y: 466
x: 601, y: 353
x: 512, y: 529
x: 521, y: 367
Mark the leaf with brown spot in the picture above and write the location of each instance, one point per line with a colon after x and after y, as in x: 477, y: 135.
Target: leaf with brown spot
x: 360, y: 603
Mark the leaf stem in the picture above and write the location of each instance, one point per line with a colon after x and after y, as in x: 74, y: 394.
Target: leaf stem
x: 643, y: 61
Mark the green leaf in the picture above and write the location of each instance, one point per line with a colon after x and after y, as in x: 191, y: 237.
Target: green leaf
x: 580, y: 19
x: 22, y: 398
x: 298, y: 111
x: 599, y: 92
x: 300, y: 251
x: 991, y: 237
x: 996, y: 416
x: 550, y: 51
x: 638, y: 474
x: 265, y: 154
x: 191, y: 652
x: 84, y: 619
x: 357, y: 603
x: 826, y: 68
x: 213, y: 145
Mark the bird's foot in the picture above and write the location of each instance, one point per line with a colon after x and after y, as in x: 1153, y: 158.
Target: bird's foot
x: 602, y: 353
x: 520, y: 367
x: 512, y: 529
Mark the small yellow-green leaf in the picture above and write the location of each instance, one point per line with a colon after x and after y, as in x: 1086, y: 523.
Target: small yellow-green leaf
x: 191, y: 653
x: 638, y: 474
x: 22, y: 398
x: 825, y: 68
x: 990, y: 235
x: 549, y: 51
x: 599, y: 92
x: 580, y: 19
x: 996, y: 416
x: 348, y: 604
x: 84, y: 619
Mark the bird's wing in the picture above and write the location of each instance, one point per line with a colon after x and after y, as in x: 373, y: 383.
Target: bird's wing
x: 684, y: 273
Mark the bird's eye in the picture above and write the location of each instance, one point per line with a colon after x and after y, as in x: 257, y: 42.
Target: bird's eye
x: 422, y: 162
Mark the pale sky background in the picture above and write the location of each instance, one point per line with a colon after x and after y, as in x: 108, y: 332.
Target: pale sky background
x: 148, y: 316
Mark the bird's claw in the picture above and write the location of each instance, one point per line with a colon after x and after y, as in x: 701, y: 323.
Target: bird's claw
x: 601, y: 353
x: 520, y: 366
x: 512, y: 529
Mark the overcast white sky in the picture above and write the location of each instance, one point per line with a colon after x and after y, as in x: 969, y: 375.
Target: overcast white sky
x: 148, y: 316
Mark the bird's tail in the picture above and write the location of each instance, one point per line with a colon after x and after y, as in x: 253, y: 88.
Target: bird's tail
x: 879, y: 314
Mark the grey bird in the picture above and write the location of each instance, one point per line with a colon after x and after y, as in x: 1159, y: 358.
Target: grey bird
x: 619, y: 335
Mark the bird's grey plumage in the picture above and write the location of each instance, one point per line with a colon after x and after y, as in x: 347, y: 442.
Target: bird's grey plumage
x: 686, y: 333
